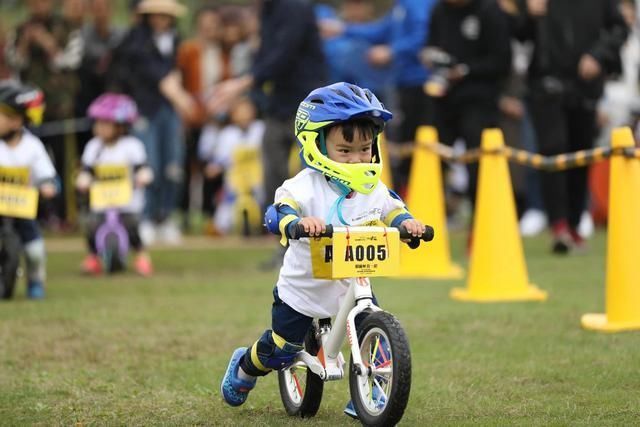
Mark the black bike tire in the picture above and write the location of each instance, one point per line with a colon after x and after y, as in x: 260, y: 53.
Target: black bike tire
x: 401, y: 381
x: 310, y: 403
x: 111, y: 257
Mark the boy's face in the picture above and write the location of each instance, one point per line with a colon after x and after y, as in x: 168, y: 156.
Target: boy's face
x: 343, y: 151
x: 9, y: 122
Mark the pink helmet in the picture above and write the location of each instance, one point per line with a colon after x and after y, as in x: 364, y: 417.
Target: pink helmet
x: 114, y: 107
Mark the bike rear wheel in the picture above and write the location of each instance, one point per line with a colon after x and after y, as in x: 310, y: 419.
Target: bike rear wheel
x: 381, y: 397
x: 111, y: 258
x: 300, y: 389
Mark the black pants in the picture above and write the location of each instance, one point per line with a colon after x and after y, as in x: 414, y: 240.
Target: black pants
x: 130, y: 222
x: 465, y: 120
x: 563, y: 124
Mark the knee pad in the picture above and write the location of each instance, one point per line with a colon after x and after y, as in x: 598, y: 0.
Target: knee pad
x: 271, y: 351
x: 36, y: 259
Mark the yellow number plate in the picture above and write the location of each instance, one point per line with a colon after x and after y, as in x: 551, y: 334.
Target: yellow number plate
x: 16, y: 176
x: 112, y: 188
x: 110, y: 194
x: 366, y: 253
x: 18, y: 201
x: 321, y: 255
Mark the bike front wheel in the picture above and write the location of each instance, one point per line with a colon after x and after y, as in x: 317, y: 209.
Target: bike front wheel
x: 381, y: 396
x: 300, y: 389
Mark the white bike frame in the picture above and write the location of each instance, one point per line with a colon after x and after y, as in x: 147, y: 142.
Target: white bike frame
x: 329, y: 364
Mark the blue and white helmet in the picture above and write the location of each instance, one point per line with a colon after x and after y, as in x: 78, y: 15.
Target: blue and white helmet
x: 340, y: 102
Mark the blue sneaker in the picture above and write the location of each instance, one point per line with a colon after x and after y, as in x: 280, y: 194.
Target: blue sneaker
x: 350, y: 410
x: 233, y: 389
x: 35, y: 290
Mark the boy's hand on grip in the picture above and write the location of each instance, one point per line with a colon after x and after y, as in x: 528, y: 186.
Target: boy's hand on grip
x: 312, y: 225
x: 414, y: 227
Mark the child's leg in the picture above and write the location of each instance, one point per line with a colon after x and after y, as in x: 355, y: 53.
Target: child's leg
x: 92, y: 264
x: 277, y: 347
x: 93, y: 222
x: 142, y: 263
x: 131, y: 222
x: 35, y: 255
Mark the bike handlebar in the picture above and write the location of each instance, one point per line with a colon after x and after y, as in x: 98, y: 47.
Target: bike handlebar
x: 297, y: 232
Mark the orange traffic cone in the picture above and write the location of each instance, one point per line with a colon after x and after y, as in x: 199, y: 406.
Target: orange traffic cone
x: 497, y: 270
x: 425, y: 201
x: 623, y: 244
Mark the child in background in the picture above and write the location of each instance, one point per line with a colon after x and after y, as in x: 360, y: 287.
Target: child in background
x: 112, y: 144
x: 338, y: 128
x: 21, y: 105
x: 217, y: 148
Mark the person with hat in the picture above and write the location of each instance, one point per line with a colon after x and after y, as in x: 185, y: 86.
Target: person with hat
x: 145, y: 68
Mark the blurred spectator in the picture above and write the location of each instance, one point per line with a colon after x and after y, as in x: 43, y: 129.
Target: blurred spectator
x: 573, y: 54
x: 46, y: 50
x: 235, y: 44
x: 217, y: 148
x: 74, y: 11
x: 145, y: 67
x: 620, y: 96
x: 469, y: 54
x: 347, y: 56
x: 100, y: 39
x: 397, y: 39
x: 288, y: 65
x: 5, y: 71
x: 200, y: 59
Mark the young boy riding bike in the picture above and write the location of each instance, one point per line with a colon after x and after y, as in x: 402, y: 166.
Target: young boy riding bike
x: 21, y: 105
x: 338, y: 128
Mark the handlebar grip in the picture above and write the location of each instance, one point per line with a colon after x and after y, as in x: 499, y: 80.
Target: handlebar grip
x: 426, y: 236
x: 297, y: 232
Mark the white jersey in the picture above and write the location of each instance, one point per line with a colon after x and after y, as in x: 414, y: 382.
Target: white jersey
x: 314, y: 196
x: 28, y: 153
x: 126, y: 151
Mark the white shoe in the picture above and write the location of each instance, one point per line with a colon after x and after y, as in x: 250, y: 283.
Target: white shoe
x: 170, y: 233
x: 586, y: 227
x: 533, y: 222
x: 147, y: 231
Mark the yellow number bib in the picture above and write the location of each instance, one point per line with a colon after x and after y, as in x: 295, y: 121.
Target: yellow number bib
x: 16, y: 176
x: 112, y: 187
x: 18, y: 201
x: 17, y: 198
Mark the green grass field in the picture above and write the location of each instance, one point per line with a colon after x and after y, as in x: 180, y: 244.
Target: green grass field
x: 129, y: 351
